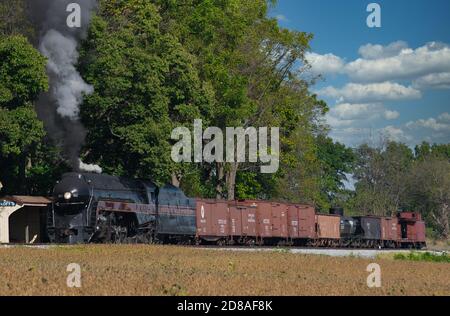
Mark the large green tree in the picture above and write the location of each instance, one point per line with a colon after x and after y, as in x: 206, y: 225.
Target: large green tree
x: 156, y: 65
x: 429, y: 192
x: 145, y: 86
x: 254, y: 68
x: 380, y: 175
x: 22, y: 78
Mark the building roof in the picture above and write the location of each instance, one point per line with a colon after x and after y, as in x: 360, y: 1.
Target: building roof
x: 29, y: 200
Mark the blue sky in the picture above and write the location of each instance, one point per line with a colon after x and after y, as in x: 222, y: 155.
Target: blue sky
x: 389, y: 82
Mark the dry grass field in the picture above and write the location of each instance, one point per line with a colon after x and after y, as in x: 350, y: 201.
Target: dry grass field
x: 157, y: 270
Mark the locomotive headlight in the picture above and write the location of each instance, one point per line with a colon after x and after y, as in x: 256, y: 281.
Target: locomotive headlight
x: 67, y: 196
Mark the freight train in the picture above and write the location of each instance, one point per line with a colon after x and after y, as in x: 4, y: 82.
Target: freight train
x: 98, y: 208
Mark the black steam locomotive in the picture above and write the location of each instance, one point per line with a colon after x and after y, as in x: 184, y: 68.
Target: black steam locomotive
x: 100, y: 208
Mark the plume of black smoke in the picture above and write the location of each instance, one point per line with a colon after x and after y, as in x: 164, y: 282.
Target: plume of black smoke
x: 60, y: 107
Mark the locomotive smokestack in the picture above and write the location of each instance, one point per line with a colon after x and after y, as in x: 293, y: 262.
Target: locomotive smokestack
x: 60, y: 107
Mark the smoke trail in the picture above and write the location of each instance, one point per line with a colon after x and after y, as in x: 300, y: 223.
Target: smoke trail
x: 68, y: 90
x: 60, y: 107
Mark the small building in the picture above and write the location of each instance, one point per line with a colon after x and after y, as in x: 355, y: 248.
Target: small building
x: 23, y: 219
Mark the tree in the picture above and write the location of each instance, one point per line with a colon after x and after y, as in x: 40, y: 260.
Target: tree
x: 380, y: 175
x: 22, y: 78
x: 253, y: 67
x: 22, y: 72
x: 426, y: 150
x: 160, y: 65
x: 15, y: 20
x: 336, y: 163
x: 429, y: 192
x: 145, y: 86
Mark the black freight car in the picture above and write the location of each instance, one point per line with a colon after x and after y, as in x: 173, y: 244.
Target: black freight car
x: 361, y: 231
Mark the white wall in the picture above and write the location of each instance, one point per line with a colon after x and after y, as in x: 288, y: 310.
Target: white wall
x: 5, y: 213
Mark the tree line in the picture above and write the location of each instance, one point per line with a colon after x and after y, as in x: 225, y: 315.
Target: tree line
x: 157, y: 65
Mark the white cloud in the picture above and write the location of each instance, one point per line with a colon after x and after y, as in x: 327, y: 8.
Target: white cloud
x: 407, y: 64
x: 348, y: 111
x: 432, y: 130
x: 337, y: 123
x: 391, y: 115
x: 395, y: 134
x: 394, y: 72
x: 371, y: 51
x: 375, y: 92
x: 348, y: 115
x: 281, y: 18
x: 352, y: 136
x: 444, y: 117
x: 392, y: 62
x: 325, y: 64
x: 433, y: 81
x: 437, y: 125
x: 353, y: 130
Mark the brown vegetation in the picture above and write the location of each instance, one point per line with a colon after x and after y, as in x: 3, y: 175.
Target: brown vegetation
x: 154, y: 270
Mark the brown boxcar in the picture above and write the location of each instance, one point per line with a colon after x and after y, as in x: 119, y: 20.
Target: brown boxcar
x: 307, y: 221
x: 389, y: 228
x: 264, y: 219
x: 293, y: 221
x: 280, y: 220
x: 212, y: 219
x: 235, y: 221
x: 328, y: 226
x: 248, y: 212
x: 302, y: 221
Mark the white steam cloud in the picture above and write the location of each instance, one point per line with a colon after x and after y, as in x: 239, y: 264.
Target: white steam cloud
x: 89, y: 168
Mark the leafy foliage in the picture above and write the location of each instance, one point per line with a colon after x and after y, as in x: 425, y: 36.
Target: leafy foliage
x: 19, y: 130
x: 380, y: 175
x: 145, y: 85
x: 22, y: 78
x: 253, y: 68
x: 22, y: 72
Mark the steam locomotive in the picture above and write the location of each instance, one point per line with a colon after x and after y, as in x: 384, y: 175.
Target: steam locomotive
x: 99, y: 208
